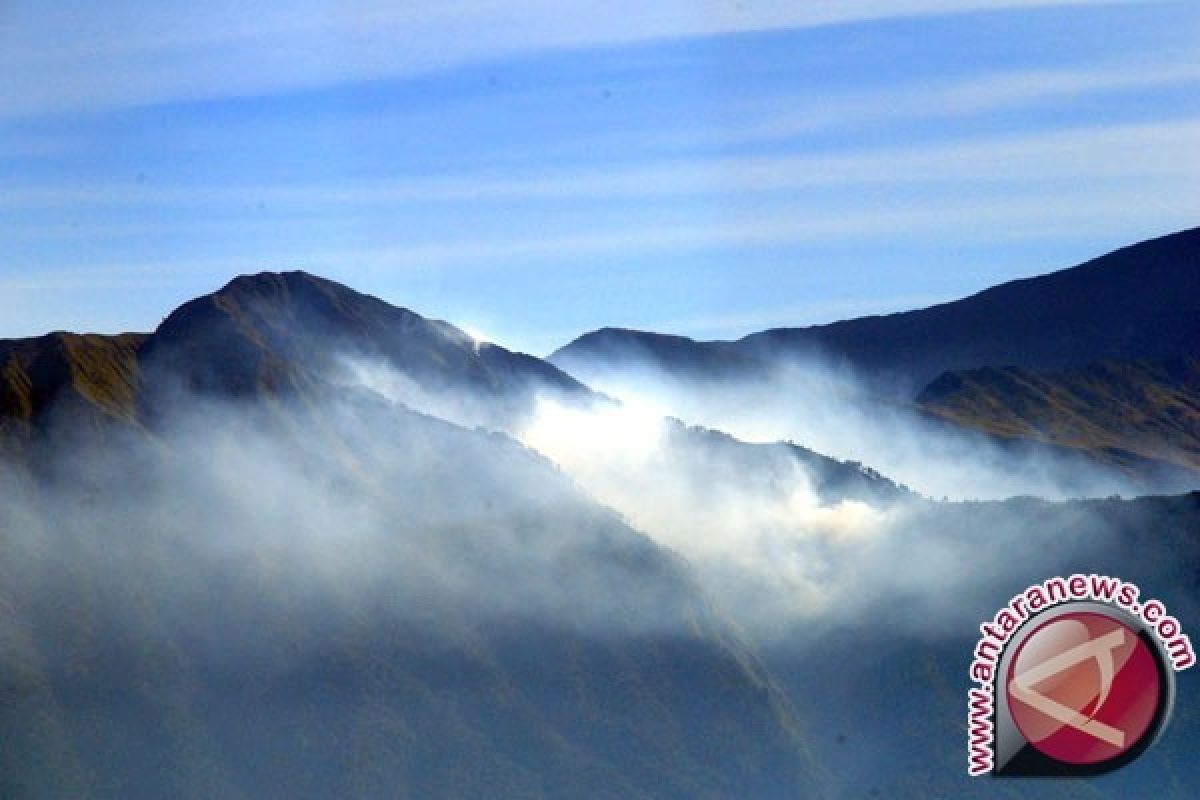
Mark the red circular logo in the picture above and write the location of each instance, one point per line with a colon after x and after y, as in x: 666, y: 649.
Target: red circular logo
x: 1083, y: 688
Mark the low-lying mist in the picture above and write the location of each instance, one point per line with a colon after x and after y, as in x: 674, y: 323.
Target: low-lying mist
x: 772, y: 546
x: 862, y: 598
x: 331, y: 595
x: 240, y: 529
x: 559, y: 575
x: 836, y: 412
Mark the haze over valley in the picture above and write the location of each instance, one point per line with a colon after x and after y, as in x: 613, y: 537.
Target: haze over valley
x: 302, y: 501
x: 626, y: 400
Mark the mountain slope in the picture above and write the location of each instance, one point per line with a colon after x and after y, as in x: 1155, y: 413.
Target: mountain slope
x: 1139, y: 302
x: 294, y: 588
x: 271, y: 333
x: 348, y: 599
x: 620, y: 348
x: 273, y: 330
x: 720, y: 459
x: 273, y: 336
x: 90, y: 369
x: 90, y: 378
x: 1122, y: 412
x: 1079, y: 361
x: 297, y: 589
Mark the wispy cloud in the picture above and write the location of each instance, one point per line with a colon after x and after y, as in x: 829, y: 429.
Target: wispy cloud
x: 56, y: 58
x: 958, y: 98
x: 993, y: 218
x: 1150, y: 151
x: 884, y: 143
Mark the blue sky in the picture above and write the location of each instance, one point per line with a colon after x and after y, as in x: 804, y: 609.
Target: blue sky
x: 532, y: 170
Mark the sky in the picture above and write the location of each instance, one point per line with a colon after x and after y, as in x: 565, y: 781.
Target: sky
x: 532, y: 169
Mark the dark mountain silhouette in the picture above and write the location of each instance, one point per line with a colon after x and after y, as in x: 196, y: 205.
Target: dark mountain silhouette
x: 621, y: 348
x: 717, y: 458
x: 1139, y: 302
x: 266, y: 331
x: 275, y: 335
x: 272, y: 334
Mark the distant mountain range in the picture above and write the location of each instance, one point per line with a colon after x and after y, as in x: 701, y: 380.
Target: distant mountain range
x: 230, y: 570
x: 279, y: 335
x: 107, y: 440
x: 1097, y: 358
x: 1139, y: 302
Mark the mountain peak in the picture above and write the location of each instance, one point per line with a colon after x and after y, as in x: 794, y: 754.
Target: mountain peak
x: 273, y: 330
x: 276, y: 298
x: 294, y: 286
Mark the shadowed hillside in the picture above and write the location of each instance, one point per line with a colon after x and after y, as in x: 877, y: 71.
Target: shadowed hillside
x: 266, y: 331
x: 272, y: 336
x: 230, y: 573
x: 236, y: 572
x: 1139, y: 302
x: 261, y: 335
x: 1097, y: 360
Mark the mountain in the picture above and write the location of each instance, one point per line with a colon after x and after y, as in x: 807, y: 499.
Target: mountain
x: 1141, y: 415
x: 272, y: 330
x: 291, y: 334
x: 619, y: 348
x: 1139, y: 302
x: 271, y: 333
x: 92, y: 378
x: 344, y: 598
x: 239, y: 575
x: 230, y: 573
x: 713, y: 457
x: 1094, y: 361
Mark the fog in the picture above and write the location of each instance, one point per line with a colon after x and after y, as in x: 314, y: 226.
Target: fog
x: 247, y: 534
x: 834, y: 411
x: 768, y: 546
x: 298, y: 548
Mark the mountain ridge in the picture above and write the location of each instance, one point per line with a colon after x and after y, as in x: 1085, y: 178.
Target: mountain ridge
x: 1059, y: 360
x: 276, y: 335
x: 265, y: 332
x: 285, y: 315
x: 294, y: 588
x: 1139, y: 301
